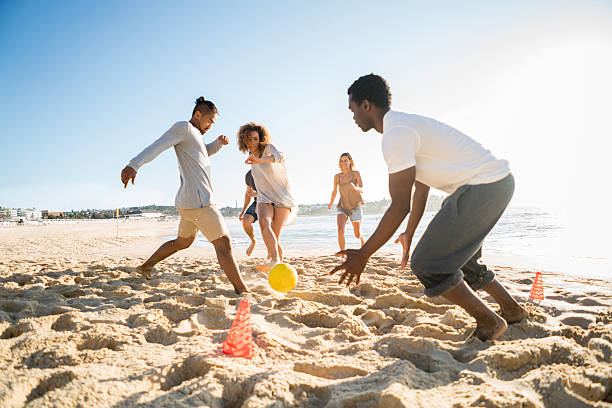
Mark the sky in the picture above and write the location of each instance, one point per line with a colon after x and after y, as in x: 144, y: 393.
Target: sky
x: 85, y: 86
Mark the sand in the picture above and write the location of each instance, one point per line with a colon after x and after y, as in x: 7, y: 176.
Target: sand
x: 78, y: 328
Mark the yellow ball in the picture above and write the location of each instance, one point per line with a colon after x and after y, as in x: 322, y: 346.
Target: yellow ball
x: 283, y: 277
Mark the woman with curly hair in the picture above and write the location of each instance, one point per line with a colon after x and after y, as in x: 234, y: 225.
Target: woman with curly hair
x: 275, y: 204
x: 349, y: 182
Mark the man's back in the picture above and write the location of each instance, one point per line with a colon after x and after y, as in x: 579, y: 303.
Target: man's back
x: 444, y: 157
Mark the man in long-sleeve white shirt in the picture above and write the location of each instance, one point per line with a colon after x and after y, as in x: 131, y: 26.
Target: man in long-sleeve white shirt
x: 194, y: 199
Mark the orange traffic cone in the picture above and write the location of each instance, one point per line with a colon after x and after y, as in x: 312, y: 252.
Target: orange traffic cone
x: 239, y: 342
x: 537, y: 290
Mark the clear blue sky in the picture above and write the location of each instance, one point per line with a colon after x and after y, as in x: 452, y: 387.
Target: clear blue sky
x: 87, y: 85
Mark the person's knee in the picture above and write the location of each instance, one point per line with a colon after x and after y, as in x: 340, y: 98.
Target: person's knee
x: 418, y: 263
x: 223, y: 245
x: 181, y: 243
x: 265, y: 223
x: 248, y: 220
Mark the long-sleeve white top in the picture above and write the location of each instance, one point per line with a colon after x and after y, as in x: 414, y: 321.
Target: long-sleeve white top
x: 272, y: 181
x: 193, y: 163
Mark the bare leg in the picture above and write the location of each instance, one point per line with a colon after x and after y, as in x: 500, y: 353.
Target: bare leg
x: 247, y: 224
x: 489, y: 325
x: 223, y: 248
x: 510, y: 309
x: 280, y: 217
x: 265, y: 214
x: 341, y: 220
x: 357, y: 231
x: 164, y: 251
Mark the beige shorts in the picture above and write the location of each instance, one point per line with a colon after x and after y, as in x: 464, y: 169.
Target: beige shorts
x: 208, y: 220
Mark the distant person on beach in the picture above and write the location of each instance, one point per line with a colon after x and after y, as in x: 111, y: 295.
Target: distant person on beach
x: 248, y: 215
x: 194, y: 199
x: 421, y: 152
x: 275, y: 204
x: 349, y: 182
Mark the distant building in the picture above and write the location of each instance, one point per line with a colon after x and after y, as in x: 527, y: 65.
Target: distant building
x: 5, y: 213
x: 20, y: 214
x: 144, y: 214
x: 52, y: 214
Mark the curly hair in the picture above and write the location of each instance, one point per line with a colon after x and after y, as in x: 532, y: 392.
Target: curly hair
x: 348, y: 156
x: 244, y: 132
x: 204, y: 106
x: 372, y: 87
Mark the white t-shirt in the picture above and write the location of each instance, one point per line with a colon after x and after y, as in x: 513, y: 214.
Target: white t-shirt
x: 194, y: 166
x: 272, y: 181
x: 445, y: 158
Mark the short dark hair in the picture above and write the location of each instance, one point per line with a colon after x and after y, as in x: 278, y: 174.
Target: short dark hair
x: 204, y: 106
x: 372, y: 87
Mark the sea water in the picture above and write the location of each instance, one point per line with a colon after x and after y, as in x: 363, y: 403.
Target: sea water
x: 527, y: 238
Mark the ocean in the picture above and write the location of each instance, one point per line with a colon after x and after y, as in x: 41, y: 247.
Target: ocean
x: 529, y: 238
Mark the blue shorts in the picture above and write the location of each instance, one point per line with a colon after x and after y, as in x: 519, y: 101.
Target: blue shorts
x: 356, y: 214
x: 252, y: 211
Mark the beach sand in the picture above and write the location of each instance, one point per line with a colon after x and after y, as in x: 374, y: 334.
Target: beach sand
x: 78, y: 328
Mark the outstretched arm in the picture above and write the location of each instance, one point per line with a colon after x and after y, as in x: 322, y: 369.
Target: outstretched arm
x: 172, y: 137
x: 419, y: 201
x: 216, y: 145
x: 400, y: 188
x: 334, y: 192
x: 274, y: 156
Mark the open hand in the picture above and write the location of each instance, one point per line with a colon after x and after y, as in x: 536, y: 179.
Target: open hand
x: 252, y: 159
x: 127, y: 174
x: 329, y: 207
x: 223, y: 139
x: 353, y: 266
x: 406, y: 241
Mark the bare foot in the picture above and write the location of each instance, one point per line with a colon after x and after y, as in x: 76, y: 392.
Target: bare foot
x: 491, y: 331
x: 240, y: 292
x: 145, y: 271
x: 251, y: 247
x: 514, y: 315
x: 265, y: 267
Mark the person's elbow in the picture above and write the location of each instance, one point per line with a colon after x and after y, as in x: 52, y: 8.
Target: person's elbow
x: 401, y: 205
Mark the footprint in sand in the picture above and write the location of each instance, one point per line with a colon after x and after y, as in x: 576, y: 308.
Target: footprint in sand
x: 161, y: 335
x: 190, y: 368
x: 50, y: 359
x: 211, y: 318
x: 50, y: 383
x: 330, y: 372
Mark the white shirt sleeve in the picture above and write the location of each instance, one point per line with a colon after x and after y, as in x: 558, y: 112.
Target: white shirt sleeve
x: 399, y: 147
x: 278, y: 156
x: 173, y: 136
x: 213, y: 147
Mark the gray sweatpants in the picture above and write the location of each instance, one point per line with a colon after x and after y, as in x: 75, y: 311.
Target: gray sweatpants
x: 451, y: 245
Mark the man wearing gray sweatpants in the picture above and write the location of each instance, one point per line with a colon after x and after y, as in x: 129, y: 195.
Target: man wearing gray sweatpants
x: 424, y: 153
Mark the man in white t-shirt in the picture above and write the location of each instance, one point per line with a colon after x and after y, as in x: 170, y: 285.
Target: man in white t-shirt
x: 194, y: 199
x: 421, y: 152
